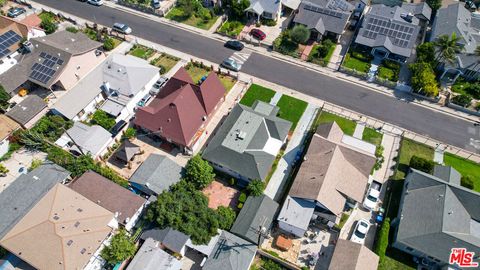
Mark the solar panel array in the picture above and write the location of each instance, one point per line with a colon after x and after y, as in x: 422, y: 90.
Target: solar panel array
x: 46, y: 69
x: 400, y: 34
x: 324, y: 11
x: 7, y: 39
x: 338, y: 4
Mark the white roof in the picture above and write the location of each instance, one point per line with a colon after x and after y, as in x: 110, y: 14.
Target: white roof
x: 359, y: 144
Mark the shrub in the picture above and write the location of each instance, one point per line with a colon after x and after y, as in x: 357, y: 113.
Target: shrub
x: 467, y: 182
x: 242, y: 198
x: 102, y: 119
x: 35, y: 164
x: 226, y: 217
x: 462, y: 100
x: 381, y: 243
x: 232, y: 181
x: 256, y: 187
x: 422, y: 164
x: 268, y: 22
x: 205, y: 14
x: 322, y: 51
x: 3, y: 169
x: 108, y: 44
x: 473, y: 89
x: 300, y: 34
x: 271, y: 265
x: 121, y: 248
x: 424, y: 80
x: 72, y: 29
x: 49, y: 26
x: 284, y: 45
x: 4, y: 97
x: 239, y: 205
x: 129, y: 133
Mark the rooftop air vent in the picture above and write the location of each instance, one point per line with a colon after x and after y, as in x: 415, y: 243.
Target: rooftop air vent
x: 241, y: 135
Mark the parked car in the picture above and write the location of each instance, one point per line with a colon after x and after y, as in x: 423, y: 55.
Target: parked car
x: 118, y: 127
x: 156, y: 4
x: 373, y: 193
x: 15, y: 12
x: 258, y: 34
x: 231, y: 64
x: 144, y: 100
x: 122, y: 28
x: 158, y: 85
x: 360, y: 232
x: 95, y: 2
x: 234, y: 44
x: 82, y: 0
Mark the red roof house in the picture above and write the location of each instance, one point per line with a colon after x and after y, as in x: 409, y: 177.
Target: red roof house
x: 181, y: 109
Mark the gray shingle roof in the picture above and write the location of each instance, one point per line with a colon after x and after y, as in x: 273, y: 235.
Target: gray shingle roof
x: 170, y: 238
x: 257, y: 211
x: 447, y: 174
x: 420, y: 10
x: 436, y: 216
x: 159, y: 172
x: 247, y: 140
x: 260, y: 6
x: 127, y: 151
x: 91, y: 139
x: 22, y: 194
x: 150, y: 256
x: 324, y: 15
x: 231, y: 253
x: 26, y: 110
x: 388, y: 27
x: 352, y: 256
x: 297, y: 212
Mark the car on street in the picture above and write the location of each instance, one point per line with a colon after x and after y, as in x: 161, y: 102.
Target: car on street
x: 371, y: 199
x: 156, y: 4
x: 15, y: 12
x: 122, y: 28
x: 158, y: 85
x: 258, y: 34
x: 95, y: 2
x: 231, y: 64
x: 234, y: 44
x: 360, y: 232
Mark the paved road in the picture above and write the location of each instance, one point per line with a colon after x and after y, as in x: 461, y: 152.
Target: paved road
x: 421, y: 120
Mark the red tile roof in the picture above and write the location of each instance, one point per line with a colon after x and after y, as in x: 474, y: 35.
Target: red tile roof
x: 178, y: 111
x: 32, y: 20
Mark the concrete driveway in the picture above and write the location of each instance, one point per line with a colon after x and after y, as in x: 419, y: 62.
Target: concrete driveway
x: 20, y: 160
x: 357, y: 214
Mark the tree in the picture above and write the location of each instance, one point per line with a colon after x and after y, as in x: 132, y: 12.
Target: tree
x: 447, y: 47
x: 188, y: 7
x: 35, y: 164
x: 435, y: 4
x: 4, y: 98
x: 422, y: 164
x: 121, y: 248
x: 423, y: 79
x: 129, y: 133
x: 102, y: 119
x: 467, y: 181
x: 49, y: 26
x: 51, y: 127
x: 426, y: 53
x: 237, y: 8
x: 108, y: 44
x: 300, y: 34
x: 256, y: 187
x: 199, y: 172
x: 226, y: 217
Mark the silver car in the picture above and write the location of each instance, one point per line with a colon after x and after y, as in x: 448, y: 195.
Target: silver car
x: 231, y: 64
x: 122, y: 28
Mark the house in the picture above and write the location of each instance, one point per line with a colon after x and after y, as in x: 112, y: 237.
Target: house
x: 231, y: 253
x: 455, y: 18
x: 435, y: 215
x: 126, y: 205
x: 270, y: 9
x: 247, y: 143
x: 28, y: 111
x: 63, y: 230
x: 55, y: 62
x: 151, y: 256
x: 23, y: 193
x: 256, y: 215
x: 127, y: 151
x: 82, y: 139
x: 389, y: 32
x: 13, y: 32
x: 170, y: 239
x: 156, y: 174
x: 359, y: 257
x: 205, y: 250
x: 334, y: 175
x: 115, y: 86
x: 295, y: 215
x: 180, y: 112
x: 7, y: 127
x: 324, y: 18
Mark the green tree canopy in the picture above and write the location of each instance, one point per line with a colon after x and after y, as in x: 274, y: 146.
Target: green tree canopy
x: 52, y: 127
x: 237, y: 8
x: 423, y: 79
x: 447, y: 47
x: 435, y: 4
x: 108, y: 43
x: 49, y: 26
x: 121, y: 248
x: 226, y: 217
x: 199, y: 172
x: 102, y: 119
x: 426, y: 53
x: 4, y: 97
x: 256, y: 187
x: 300, y: 34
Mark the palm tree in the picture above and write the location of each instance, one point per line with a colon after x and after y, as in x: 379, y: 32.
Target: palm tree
x: 447, y: 47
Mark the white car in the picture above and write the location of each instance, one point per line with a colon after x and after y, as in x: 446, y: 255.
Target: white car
x: 360, y: 232
x: 95, y: 2
x: 122, y: 28
x: 231, y: 64
x: 373, y: 194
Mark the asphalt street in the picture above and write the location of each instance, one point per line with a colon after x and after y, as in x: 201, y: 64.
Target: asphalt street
x: 421, y: 120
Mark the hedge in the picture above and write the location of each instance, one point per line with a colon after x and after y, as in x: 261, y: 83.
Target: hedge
x: 422, y: 164
x: 381, y: 244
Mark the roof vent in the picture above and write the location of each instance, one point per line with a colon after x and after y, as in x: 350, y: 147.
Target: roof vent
x: 147, y: 184
x: 79, y: 210
x: 70, y: 242
x: 83, y: 251
x: 56, y: 217
x: 407, y: 16
x: 204, y: 118
x: 77, y: 224
x: 241, y: 135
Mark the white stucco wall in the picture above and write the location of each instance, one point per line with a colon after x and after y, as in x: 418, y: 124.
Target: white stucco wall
x: 291, y: 229
x: 4, y: 147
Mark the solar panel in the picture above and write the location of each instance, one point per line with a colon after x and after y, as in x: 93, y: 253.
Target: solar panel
x: 45, y: 69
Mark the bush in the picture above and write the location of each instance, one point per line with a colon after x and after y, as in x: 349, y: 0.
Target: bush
x: 226, y: 217
x: 121, y: 248
x: 49, y: 26
x: 108, y: 44
x: 300, y: 34
x: 473, y: 89
x: 240, y: 205
x: 467, y: 182
x: 422, y: 164
x: 268, y: 22
x: 199, y: 172
x: 35, y: 164
x: 51, y: 127
x: 284, y: 45
x: 3, y: 169
x: 129, y: 133
x: 424, y: 80
x: 242, y: 198
x: 72, y: 29
x: 271, y: 265
x: 232, y: 181
x: 205, y: 14
x: 256, y: 187
x: 381, y: 243
x: 103, y: 119
x: 462, y: 100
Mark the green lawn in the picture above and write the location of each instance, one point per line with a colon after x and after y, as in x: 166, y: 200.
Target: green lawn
x: 165, y: 62
x: 177, y: 14
x: 314, y: 58
x: 291, y: 109
x: 231, y: 28
x: 386, y: 73
x: 408, y: 149
x: 396, y: 260
x: 464, y: 167
x: 227, y: 81
x: 198, y: 72
x: 257, y: 92
x: 372, y: 136
x: 141, y: 51
x: 356, y: 64
x: 348, y: 126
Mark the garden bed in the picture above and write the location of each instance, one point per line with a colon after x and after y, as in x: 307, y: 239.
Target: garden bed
x: 231, y: 28
x: 177, y: 14
x: 321, y: 53
x: 257, y: 92
x: 389, y: 70
x: 165, y: 62
x: 347, y: 126
x: 141, y: 51
x: 199, y: 71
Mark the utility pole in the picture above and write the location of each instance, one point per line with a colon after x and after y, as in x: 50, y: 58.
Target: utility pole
x: 261, y: 231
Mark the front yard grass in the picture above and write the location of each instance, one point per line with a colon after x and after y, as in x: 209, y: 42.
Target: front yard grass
x: 227, y: 81
x: 165, y: 62
x: 408, y: 149
x: 197, y: 72
x: 372, y: 136
x: 389, y: 70
x: 315, y: 58
x: 465, y: 167
x: 177, y: 14
x: 291, y: 109
x: 231, y: 28
x: 348, y: 126
x: 356, y: 64
x: 257, y: 92
x: 141, y: 51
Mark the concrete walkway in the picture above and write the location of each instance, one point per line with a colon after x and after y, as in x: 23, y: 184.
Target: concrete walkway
x: 358, y: 133
x: 276, y: 98
x: 277, y: 182
x: 390, y: 149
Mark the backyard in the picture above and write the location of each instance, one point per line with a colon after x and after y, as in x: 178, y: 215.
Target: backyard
x: 197, y: 19
x: 141, y: 51
x: 347, y: 126
x: 257, y: 92
x: 372, y: 136
x: 199, y: 71
x: 465, y: 168
x: 291, y: 109
x: 165, y: 62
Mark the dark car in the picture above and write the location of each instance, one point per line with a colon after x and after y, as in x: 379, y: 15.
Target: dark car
x: 258, y: 34
x: 234, y: 44
x: 15, y: 12
x: 118, y: 127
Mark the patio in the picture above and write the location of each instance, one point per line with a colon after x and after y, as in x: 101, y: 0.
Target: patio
x: 20, y: 161
x: 220, y: 194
